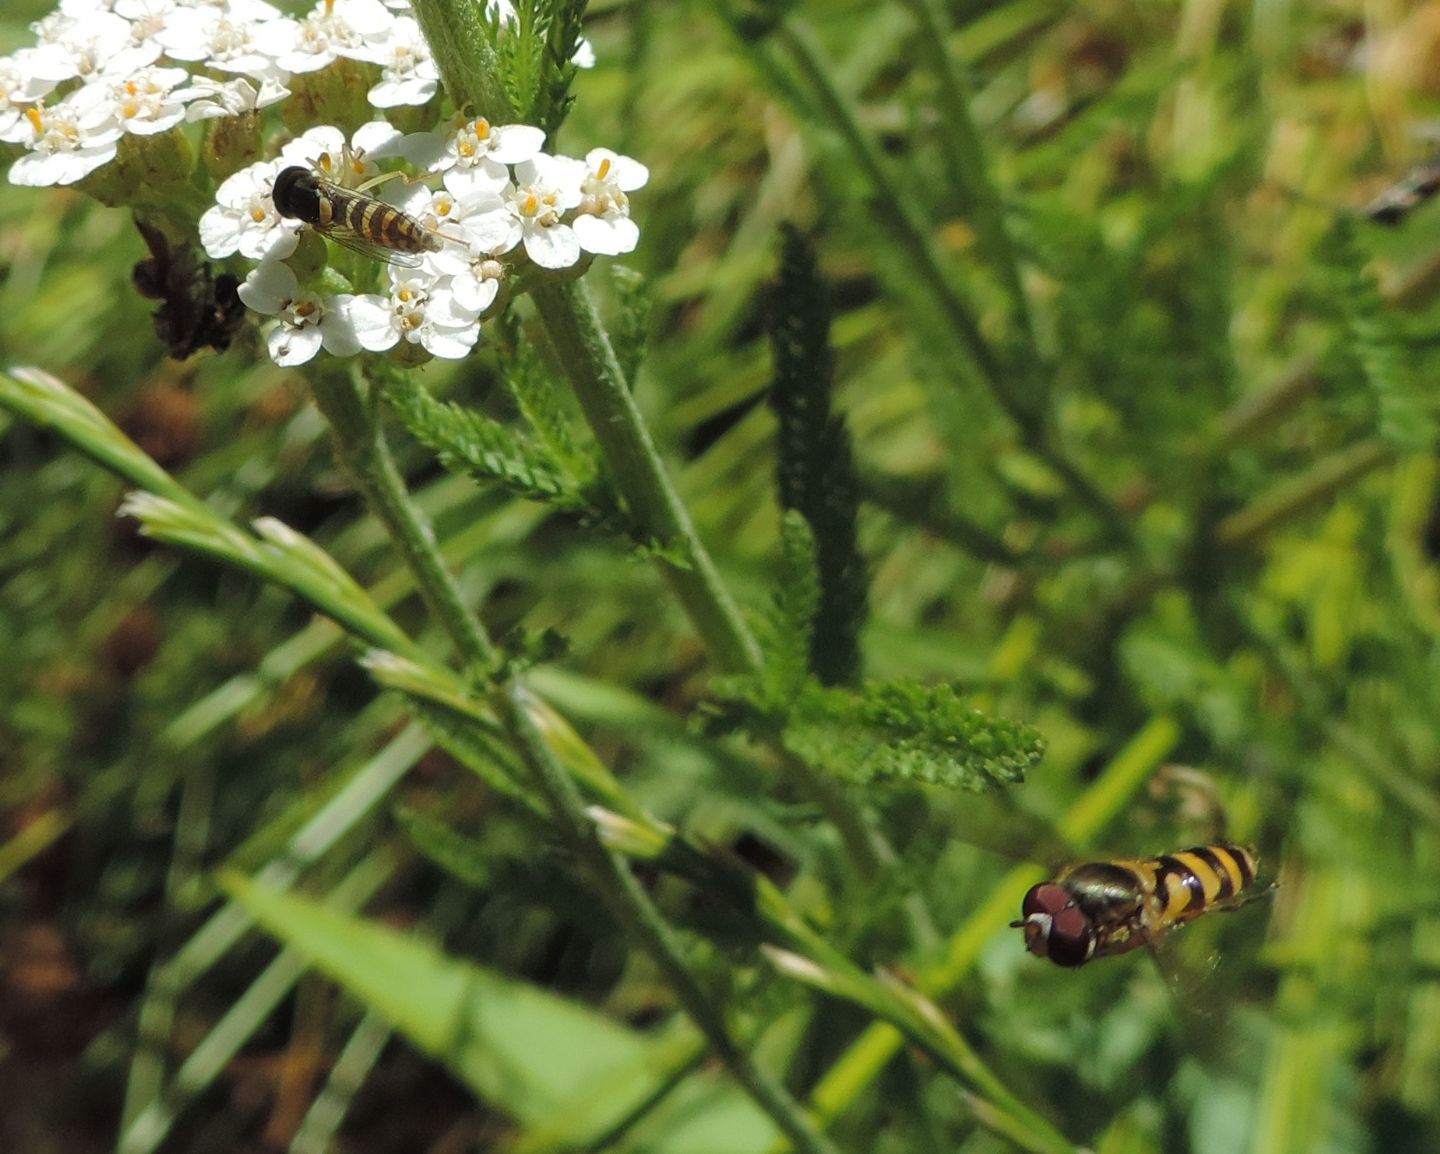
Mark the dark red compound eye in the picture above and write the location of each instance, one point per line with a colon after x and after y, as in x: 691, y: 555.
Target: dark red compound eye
x: 1071, y: 938
x: 1055, y: 928
x: 1046, y: 898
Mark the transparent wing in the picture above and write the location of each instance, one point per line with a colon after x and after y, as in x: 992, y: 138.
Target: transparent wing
x: 349, y: 238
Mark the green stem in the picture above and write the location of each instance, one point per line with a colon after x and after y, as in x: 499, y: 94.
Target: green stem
x: 589, y: 361
x: 1292, y: 498
x: 585, y: 352
x: 365, y: 454
x: 632, y: 905
x: 458, y: 33
x: 1255, y: 413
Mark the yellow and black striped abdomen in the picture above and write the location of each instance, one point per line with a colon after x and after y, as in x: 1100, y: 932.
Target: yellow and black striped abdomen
x: 1189, y: 882
x: 383, y: 224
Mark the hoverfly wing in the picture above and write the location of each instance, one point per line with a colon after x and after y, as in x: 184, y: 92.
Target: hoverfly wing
x: 349, y: 238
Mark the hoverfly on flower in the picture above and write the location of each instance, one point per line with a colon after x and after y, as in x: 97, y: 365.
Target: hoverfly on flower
x: 361, y: 223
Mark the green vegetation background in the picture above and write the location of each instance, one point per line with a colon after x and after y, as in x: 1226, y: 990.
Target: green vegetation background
x: 1192, y: 502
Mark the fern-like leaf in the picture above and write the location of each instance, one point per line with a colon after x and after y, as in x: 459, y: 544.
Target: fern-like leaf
x: 1379, y: 346
x: 816, y: 470
x: 790, y: 630
x: 908, y: 732
x: 633, y: 324
x: 537, y: 59
x: 539, y: 400
x: 885, y: 732
x: 474, y: 444
x: 461, y: 739
x: 561, y: 31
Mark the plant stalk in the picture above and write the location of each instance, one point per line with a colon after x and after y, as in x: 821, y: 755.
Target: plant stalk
x: 365, y: 454
x: 589, y: 361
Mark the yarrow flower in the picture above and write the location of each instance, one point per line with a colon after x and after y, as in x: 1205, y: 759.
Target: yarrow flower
x: 20, y: 87
x: 65, y: 142
x: 420, y: 310
x: 306, y: 322
x: 408, y: 73
x: 533, y: 210
x: 475, y: 152
x: 335, y: 29
x: 210, y: 99
x: 603, y: 225
x: 222, y: 39
x: 244, y: 219
x: 86, y: 45
x: 144, y: 103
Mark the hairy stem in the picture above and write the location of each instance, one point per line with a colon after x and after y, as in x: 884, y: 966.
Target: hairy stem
x: 589, y: 361
x: 363, y: 451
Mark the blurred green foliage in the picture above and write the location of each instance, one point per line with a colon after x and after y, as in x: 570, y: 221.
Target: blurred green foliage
x: 1142, y: 435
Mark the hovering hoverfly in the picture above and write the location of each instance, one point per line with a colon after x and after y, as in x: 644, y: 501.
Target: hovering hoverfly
x: 349, y: 217
x: 1112, y: 907
x: 1400, y: 199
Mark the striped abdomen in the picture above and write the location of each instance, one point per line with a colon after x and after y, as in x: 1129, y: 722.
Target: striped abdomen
x: 1188, y: 883
x: 376, y: 221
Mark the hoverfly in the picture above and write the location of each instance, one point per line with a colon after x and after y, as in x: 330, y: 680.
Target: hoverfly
x: 1101, y: 908
x: 1400, y: 199
x: 349, y: 217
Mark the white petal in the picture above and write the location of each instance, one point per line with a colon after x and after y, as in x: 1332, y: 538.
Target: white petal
x: 512, y: 143
x: 379, y: 138
x: 474, y: 294
x: 483, y: 177
x: 426, y: 150
x: 399, y: 93
x: 269, y: 285
x: 554, y: 247
x: 274, y: 242
x: 219, y: 232
x: 338, y: 327
x: 493, y: 232
x: 372, y: 322
x: 606, y: 236
x: 293, y: 346
x: 451, y: 344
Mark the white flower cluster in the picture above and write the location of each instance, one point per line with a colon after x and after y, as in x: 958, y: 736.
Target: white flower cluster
x: 101, y: 69
x: 105, y: 69
x: 498, y: 193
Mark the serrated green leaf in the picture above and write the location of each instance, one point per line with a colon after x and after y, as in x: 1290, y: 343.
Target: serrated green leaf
x: 471, y: 443
x: 904, y: 731
x: 463, y: 857
x: 631, y: 330
x: 797, y: 600
x: 1379, y: 347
